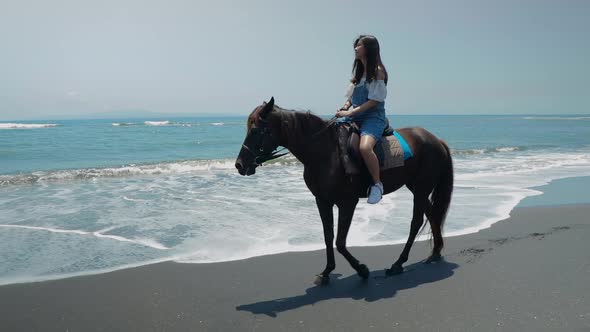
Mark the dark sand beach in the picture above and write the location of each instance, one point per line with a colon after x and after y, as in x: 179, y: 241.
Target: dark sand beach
x: 529, y: 272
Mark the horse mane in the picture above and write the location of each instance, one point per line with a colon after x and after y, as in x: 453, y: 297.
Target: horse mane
x: 296, y: 125
x: 302, y: 118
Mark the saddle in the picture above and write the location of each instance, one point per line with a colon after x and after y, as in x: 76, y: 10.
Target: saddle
x: 388, y: 149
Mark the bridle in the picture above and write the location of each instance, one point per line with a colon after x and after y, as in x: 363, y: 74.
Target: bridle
x: 265, y: 155
x: 270, y: 154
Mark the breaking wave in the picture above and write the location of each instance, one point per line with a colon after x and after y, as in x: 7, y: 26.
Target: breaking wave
x: 26, y: 125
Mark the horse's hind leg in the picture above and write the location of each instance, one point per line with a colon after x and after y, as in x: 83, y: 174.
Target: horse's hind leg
x: 345, y: 214
x: 420, y: 201
x: 436, y: 236
x: 325, y: 209
x: 438, y: 243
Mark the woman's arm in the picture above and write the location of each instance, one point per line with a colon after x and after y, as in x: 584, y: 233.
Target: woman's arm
x: 346, y: 106
x: 357, y: 110
x: 365, y: 106
x: 377, y: 90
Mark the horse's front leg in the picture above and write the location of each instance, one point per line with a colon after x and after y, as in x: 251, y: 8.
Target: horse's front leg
x: 327, y: 216
x: 345, y: 214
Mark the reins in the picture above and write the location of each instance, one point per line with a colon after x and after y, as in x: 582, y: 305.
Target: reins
x: 259, y: 160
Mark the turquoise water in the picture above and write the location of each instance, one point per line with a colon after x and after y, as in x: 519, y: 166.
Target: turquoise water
x: 78, y: 144
x: 81, y: 197
x: 103, y: 143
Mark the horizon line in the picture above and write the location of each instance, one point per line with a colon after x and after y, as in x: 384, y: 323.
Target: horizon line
x: 65, y: 117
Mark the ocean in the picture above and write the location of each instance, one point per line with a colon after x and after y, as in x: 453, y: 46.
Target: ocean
x: 88, y: 196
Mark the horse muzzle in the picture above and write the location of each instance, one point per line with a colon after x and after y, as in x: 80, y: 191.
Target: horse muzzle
x: 245, y: 170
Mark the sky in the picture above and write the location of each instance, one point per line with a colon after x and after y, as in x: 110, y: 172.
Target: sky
x: 76, y: 58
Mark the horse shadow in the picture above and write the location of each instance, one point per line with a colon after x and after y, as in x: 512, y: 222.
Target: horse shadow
x: 377, y: 287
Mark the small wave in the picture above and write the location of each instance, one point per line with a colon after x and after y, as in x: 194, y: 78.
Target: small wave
x: 26, y: 125
x: 169, y: 123
x: 157, y: 123
x: 132, y: 199
x: 488, y: 150
x: 468, y: 151
x: 153, y: 123
x: 508, y: 149
x: 229, y: 123
x: 566, y: 118
x: 124, y: 124
x: 181, y: 167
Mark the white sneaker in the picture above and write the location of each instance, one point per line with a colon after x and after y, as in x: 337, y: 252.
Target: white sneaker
x: 375, y: 193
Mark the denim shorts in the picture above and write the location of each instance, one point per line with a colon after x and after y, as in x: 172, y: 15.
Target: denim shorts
x: 372, y: 126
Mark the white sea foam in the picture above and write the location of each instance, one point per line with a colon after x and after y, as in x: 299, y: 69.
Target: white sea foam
x: 99, y: 234
x: 133, y: 199
x: 26, y: 125
x: 480, y: 151
x: 145, y: 242
x: 53, y: 230
x: 157, y: 123
x: 486, y: 191
x: 154, y: 123
x: 211, y: 214
x: 217, y: 124
x: 123, y: 124
x: 181, y: 167
x: 508, y: 149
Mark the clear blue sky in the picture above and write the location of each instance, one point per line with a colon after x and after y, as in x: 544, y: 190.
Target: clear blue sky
x: 443, y: 57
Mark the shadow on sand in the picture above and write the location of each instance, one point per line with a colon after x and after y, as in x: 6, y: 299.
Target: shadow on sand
x: 377, y: 287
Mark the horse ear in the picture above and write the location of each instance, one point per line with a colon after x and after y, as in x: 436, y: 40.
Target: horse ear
x: 268, y: 107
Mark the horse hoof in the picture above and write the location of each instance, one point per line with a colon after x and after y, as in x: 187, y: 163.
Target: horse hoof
x: 433, y: 259
x: 363, y: 271
x: 321, y: 280
x: 394, y: 270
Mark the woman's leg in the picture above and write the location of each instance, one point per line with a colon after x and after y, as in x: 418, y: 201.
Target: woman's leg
x: 369, y: 156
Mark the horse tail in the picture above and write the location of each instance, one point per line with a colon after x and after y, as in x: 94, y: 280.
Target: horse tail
x: 441, y: 196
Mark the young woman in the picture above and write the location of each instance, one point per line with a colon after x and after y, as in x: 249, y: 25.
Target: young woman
x: 366, y: 95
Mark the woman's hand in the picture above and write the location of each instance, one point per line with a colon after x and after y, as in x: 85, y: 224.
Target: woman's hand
x: 342, y: 113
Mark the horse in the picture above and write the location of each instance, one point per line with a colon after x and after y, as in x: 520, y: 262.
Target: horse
x: 313, y: 141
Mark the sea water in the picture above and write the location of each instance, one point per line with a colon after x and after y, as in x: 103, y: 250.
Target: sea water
x: 86, y: 196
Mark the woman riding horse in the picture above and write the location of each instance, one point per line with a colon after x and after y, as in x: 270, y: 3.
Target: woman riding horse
x: 313, y: 141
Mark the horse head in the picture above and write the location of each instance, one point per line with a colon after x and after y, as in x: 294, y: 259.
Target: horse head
x: 261, y: 140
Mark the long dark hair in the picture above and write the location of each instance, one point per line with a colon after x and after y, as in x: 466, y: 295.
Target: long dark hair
x: 373, y: 56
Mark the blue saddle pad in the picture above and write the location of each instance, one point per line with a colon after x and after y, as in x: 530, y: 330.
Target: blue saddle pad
x: 407, y: 151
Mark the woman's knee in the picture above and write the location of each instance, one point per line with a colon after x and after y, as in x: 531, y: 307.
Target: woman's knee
x: 367, y: 144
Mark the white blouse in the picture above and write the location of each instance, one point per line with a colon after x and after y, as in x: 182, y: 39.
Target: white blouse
x: 377, y: 90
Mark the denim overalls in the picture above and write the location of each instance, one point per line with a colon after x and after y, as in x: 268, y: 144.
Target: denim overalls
x: 372, y: 121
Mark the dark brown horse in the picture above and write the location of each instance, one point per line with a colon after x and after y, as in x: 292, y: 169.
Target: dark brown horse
x: 312, y: 140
